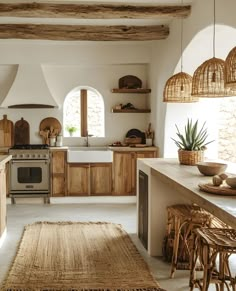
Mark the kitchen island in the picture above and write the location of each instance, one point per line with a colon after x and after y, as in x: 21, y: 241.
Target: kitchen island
x: 170, y: 183
x: 4, y: 159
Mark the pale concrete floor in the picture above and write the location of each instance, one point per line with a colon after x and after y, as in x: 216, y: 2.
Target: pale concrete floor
x: 125, y: 214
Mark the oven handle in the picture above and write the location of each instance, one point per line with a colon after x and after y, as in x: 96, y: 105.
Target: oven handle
x: 25, y: 161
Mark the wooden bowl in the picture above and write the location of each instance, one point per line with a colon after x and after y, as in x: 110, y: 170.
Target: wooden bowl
x: 211, y: 168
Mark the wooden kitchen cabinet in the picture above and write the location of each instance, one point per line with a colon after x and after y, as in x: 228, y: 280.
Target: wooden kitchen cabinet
x: 3, y: 202
x: 101, y: 179
x: 78, y: 179
x: 89, y: 179
x: 58, y: 173
x: 7, y: 171
x: 4, y: 161
x: 124, y: 170
x: 123, y: 181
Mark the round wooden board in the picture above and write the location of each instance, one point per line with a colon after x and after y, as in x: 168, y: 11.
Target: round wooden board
x: 219, y: 190
x: 48, y: 122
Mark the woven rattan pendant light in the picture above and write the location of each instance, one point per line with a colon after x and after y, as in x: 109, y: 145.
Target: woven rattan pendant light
x: 178, y: 87
x: 230, y: 70
x: 209, y: 79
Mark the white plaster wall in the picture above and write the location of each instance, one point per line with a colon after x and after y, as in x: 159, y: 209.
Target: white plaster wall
x: 197, y: 44
x: 100, y: 64
x: 67, y: 66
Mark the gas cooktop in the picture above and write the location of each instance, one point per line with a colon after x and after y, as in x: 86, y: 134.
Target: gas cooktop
x: 30, y: 146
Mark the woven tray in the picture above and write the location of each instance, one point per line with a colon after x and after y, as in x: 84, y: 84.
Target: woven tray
x: 220, y: 190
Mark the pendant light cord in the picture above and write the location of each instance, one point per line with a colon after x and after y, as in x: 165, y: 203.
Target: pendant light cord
x: 181, y: 42
x: 214, y: 28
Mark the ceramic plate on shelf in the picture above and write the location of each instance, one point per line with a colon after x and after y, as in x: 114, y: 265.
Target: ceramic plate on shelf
x: 220, y: 190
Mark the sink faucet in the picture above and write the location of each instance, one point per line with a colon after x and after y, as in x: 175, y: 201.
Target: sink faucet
x: 87, y: 139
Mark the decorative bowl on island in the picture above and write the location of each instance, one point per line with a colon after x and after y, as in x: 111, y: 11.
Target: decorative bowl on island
x: 211, y: 168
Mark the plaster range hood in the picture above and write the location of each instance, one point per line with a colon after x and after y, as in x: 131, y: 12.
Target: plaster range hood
x: 29, y: 89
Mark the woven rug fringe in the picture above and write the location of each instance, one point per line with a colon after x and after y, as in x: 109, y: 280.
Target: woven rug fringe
x: 87, y: 289
x: 72, y: 222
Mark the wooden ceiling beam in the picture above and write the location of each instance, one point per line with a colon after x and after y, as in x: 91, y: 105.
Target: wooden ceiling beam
x: 94, y: 11
x: 82, y: 32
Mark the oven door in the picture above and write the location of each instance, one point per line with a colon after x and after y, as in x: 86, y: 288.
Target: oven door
x: 29, y: 176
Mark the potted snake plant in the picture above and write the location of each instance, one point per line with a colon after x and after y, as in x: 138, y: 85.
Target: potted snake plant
x: 192, y: 143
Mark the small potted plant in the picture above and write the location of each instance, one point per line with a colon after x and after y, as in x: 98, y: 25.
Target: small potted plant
x: 191, y: 143
x: 71, y: 129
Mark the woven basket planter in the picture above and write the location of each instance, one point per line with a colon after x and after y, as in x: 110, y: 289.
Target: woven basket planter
x: 190, y: 157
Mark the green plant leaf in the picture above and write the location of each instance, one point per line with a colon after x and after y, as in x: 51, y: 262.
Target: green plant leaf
x: 192, y: 139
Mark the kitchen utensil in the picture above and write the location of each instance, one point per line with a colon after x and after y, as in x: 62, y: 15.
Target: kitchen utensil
x: 49, y: 127
x: 22, y: 132
x: 211, y: 168
x: 6, y: 132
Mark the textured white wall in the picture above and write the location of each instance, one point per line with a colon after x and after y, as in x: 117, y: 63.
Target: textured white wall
x: 100, y: 64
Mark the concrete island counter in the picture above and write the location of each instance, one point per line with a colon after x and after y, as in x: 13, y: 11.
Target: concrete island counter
x: 4, y: 159
x: 171, y: 183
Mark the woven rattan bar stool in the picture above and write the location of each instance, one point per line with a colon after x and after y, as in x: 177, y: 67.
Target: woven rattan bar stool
x: 182, y: 219
x: 212, y: 248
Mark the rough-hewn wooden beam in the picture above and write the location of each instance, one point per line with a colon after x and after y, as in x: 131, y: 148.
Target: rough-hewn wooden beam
x: 82, y: 32
x: 95, y: 11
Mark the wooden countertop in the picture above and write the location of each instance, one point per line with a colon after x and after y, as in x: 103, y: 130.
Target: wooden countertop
x: 3, y: 160
x: 132, y: 149
x: 63, y: 148
x: 185, y: 180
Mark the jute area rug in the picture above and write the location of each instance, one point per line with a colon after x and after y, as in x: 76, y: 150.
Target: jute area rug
x: 71, y: 256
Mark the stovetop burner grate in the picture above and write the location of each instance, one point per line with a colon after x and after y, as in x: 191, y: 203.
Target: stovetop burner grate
x: 30, y: 146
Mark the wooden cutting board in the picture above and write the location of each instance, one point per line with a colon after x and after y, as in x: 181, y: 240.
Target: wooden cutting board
x: 6, y: 132
x: 219, y: 190
x: 22, y: 132
x: 49, y: 127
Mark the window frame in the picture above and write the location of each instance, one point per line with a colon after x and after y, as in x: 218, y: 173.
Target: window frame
x: 84, y: 93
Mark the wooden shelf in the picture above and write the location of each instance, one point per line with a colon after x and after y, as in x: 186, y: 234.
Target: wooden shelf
x: 131, y: 110
x: 139, y: 91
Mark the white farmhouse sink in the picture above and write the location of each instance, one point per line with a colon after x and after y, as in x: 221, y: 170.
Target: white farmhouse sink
x: 89, y: 155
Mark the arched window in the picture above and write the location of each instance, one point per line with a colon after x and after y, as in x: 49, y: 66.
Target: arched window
x: 83, y: 113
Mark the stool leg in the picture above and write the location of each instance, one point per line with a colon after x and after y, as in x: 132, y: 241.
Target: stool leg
x: 206, y: 267
x: 193, y: 261
x: 175, y: 246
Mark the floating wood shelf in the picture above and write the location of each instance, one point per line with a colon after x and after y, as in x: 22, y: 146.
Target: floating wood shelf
x: 131, y: 110
x: 125, y: 90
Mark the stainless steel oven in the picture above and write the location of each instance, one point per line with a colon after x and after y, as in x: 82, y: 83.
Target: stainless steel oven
x: 30, y: 172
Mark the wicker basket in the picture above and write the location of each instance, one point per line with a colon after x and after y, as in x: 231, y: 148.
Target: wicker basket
x: 190, y: 157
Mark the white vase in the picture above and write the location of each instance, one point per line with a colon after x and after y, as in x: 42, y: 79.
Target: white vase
x: 149, y: 141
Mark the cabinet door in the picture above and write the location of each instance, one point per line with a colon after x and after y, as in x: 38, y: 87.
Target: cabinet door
x: 58, y: 173
x: 146, y: 154
x: 58, y: 162
x: 3, y: 202
x: 101, y: 179
x: 122, y: 173
x: 78, y: 179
